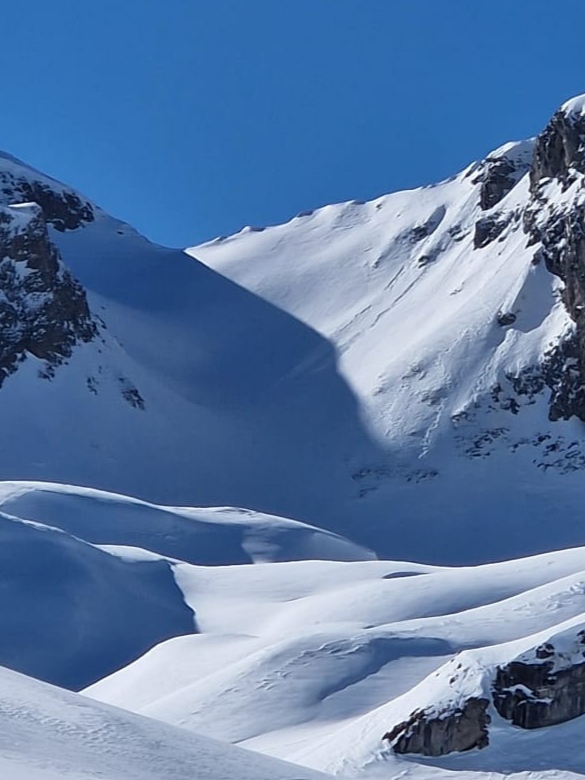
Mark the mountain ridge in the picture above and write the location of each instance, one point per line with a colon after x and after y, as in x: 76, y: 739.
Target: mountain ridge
x: 366, y: 368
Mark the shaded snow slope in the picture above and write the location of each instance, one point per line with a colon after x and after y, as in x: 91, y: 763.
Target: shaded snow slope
x: 243, y: 404
x: 71, y: 613
x: 208, y: 536
x: 194, y: 391
x: 49, y: 734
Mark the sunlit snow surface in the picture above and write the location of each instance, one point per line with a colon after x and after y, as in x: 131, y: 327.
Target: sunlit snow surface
x: 51, y: 734
x: 340, y: 370
x: 354, y: 370
x: 308, y: 661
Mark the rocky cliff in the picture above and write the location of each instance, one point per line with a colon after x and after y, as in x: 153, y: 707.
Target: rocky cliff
x: 544, y: 687
x: 554, y: 220
x: 43, y: 309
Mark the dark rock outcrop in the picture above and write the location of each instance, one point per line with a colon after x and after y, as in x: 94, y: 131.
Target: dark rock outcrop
x: 534, y: 695
x: 559, y: 152
x: 436, y: 734
x: 506, y: 318
x: 499, y: 177
x: 499, y: 173
x: 43, y: 310
x: 564, y: 375
x: 559, y: 232
x: 63, y: 208
x: 488, y: 229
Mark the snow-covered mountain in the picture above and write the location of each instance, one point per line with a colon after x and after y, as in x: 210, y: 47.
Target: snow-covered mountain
x: 369, y: 384
x: 453, y: 334
x: 388, y: 370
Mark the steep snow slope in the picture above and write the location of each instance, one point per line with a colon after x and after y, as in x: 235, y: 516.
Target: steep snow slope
x: 297, y: 659
x: 188, y: 390
x: 49, y: 734
x: 443, y: 323
x: 382, y: 370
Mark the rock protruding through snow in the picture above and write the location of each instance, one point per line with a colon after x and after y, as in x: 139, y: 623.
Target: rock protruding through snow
x: 544, y: 687
x: 436, y: 734
x: 43, y: 309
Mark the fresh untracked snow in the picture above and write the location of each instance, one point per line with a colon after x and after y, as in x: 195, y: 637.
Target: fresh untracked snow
x: 50, y: 734
x: 308, y: 661
x: 341, y: 370
x: 297, y: 486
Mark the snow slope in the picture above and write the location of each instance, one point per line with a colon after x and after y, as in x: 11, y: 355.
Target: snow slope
x: 413, y: 308
x: 195, y: 391
x: 71, y: 613
x: 308, y: 661
x: 50, y: 734
x: 208, y: 536
x: 348, y: 369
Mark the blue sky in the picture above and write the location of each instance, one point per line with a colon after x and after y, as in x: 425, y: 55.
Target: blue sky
x: 192, y: 118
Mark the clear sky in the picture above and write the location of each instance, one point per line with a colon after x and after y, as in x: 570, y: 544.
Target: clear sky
x: 193, y: 118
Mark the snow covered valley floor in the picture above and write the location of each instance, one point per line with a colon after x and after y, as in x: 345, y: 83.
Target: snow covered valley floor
x: 307, y: 661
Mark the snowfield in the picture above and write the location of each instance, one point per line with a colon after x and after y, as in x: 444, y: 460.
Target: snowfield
x: 299, y: 488
x: 297, y: 659
x: 50, y: 734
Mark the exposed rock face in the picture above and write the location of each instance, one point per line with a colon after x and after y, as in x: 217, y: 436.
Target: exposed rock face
x: 559, y: 152
x: 436, y: 734
x: 563, y: 374
x: 43, y: 310
x: 534, y: 695
x: 498, y: 179
x: 488, y: 229
x: 62, y: 208
x: 501, y: 171
x: 559, y: 157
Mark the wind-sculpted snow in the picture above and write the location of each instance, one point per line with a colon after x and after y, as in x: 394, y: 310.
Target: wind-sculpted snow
x: 70, y: 613
x: 210, y: 536
x: 316, y: 661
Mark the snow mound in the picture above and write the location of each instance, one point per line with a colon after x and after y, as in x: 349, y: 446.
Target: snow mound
x: 313, y: 661
x: 208, y: 536
x: 71, y: 613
